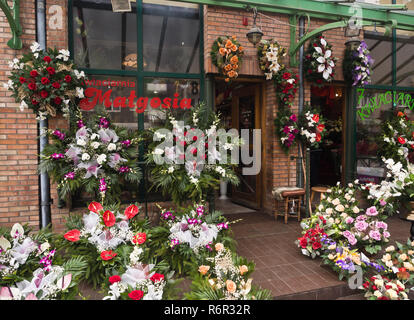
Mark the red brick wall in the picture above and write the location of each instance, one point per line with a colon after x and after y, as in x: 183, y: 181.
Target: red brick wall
x: 19, y: 190
x: 221, y: 21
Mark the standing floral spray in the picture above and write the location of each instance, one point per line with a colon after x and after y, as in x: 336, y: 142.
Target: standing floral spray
x: 270, y: 55
x: 286, y: 82
x: 30, y: 268
x: 105, y: 237
x: 312, y: 127
x: 286, y: 127
x: 197, y: 170
x: 186, y: 235
x: 357, y: 65
x: 226, y: 54
x: 97, y: 159
x: 225, y: 277
x: 319, y: 64
x: 46, y: 81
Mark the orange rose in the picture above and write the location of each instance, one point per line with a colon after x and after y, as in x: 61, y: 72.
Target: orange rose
x: 222, y: 51
x: 234, y: 37
x: 232, y: 74
x: 235, y: 66
x: 243, y: 269
x: 234, y: 60
x: 203, y: 269
x: 234, y: 48
x: 219, y: 246
x: 229, y: 44
x: 241, y: 49
x: 227, y: 79
x: 227, y: 67
x: 231, y: 286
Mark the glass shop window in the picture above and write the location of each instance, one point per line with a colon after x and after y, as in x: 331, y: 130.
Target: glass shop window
x: 405, y: 58
x: 171, y: 37
x: 104, y: 39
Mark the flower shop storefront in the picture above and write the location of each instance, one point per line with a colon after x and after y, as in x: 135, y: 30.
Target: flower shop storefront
x: 133, y: 109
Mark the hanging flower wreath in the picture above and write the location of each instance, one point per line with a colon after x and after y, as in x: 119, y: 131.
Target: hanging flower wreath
x: 286, y: 86
x: 46, y: 82
x: 226, y: 54
x: 319, y: 63
x: 357, y: 66
x: 311, y: 127
x: 286, y: 127
x: 97, y: 159
x: 270, y: 54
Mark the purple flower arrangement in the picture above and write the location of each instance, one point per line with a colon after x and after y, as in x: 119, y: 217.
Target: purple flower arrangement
x: 58, y: 134
x: 362, y: 65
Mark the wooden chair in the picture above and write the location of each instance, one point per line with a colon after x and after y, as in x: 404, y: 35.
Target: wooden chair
x: 288, y: 195
x: 321, y: 190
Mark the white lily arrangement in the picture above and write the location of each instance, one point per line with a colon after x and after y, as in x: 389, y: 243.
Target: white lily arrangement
x: 270, y: 54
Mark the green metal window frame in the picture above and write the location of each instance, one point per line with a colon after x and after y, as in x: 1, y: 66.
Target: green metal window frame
x: 140, y: 74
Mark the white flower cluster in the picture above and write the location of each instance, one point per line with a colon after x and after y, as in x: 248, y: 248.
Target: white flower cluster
x: 272, y: 57
x: 105, y: 238
x: 43, y: 286
x: 324, y: 58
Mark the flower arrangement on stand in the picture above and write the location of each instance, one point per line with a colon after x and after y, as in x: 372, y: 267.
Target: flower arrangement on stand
x: 186, y: 235
x: 319, y: 64
x: 379, y: 287
x: 194, y: 157
x: 104, y: 237
x: 397, y: 139
x: 286, y: 82
x: 226, y: 54
x: 225, y: 277
x: 97, y: 159
x: 311, y: 243
x: 312, y: 127
x: 31, y: 270
x: 270, y: 54
x: 46, y: 81
x: 286, y: 127
x: 357, y: 65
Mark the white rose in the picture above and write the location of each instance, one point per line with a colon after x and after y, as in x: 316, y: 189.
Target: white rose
x: 332, y: 247
x: 101, y: 158
x: 347, y: 197
x: 331, y: 256
x: 95, y: 144
x: 330, y: 220
x: 355, y: 210
x: 377, y: 294
x: 85, y: 157
x: 170, y: 169
x: 81, y: 142
x: 379, y: 283
x: 94, y: 136
x: 329, y: 211
x: 390, y: 248
x: 386, y: 257
x: 336, y: 201
x: 340, y: 208
x: 389, y: 263
x: 392, y: 294
x: 111, y: 147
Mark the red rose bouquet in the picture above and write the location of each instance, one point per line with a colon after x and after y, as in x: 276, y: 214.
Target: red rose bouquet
x: 311, y: 243
x: 286, y: 82
x: 46, y: 81
x: 379, y: 287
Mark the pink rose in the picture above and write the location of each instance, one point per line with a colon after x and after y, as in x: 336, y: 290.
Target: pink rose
x: 371, y: 211
x: 361, y: 226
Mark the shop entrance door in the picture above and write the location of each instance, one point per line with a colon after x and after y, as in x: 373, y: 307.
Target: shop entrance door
x: 246, y: 115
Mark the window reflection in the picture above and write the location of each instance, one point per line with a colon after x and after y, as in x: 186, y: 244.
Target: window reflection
x: 381, y: 52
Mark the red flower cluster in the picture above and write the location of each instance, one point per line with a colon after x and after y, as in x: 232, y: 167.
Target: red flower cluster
x: 286, y: 87
x: 108, y: 255
x: 139, y: 238
x: 369, y: 285
x: 312, y: 237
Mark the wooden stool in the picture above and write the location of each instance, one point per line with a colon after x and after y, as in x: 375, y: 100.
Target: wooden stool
x: 321, y: 190
x: 291, y: 195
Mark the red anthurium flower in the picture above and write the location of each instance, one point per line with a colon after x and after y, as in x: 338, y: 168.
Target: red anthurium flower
x: 34, y: 73
x: 318, y: 137
x: 108, y: 255
x: 402, y: 140
x: 156, y: 277
x: 95, y: 207
x: 22, y: 80
x: 114, y: 279
x: 136, y: 294
x: 72, y: 235
x: 131, y: 211
x: 321, y: 127
x: 47, y: 59
x: 315, y: 118
x: 108, y: 218
x: 44, y: 94
x: 139, y: 238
